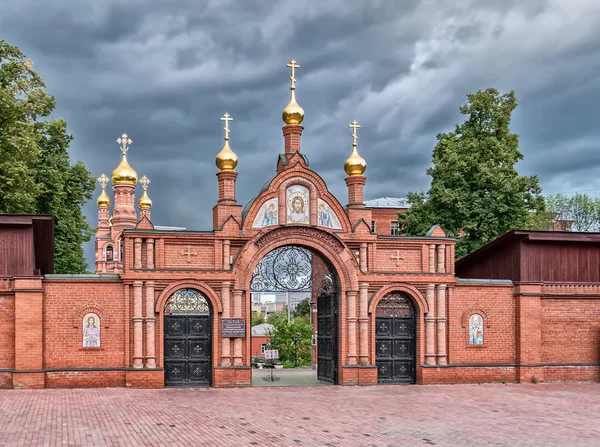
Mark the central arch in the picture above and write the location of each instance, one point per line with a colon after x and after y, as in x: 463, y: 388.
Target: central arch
x: 326, y: 246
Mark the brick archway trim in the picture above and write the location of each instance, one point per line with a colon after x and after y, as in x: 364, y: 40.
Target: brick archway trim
x: 337, y: 254
x: 416, y: 296
x: 189, y: 284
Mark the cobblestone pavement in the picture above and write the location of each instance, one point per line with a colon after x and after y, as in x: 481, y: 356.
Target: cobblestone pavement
x: 457, y: 415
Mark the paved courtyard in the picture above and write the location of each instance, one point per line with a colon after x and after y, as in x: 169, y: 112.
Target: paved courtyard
x: 456, y: 415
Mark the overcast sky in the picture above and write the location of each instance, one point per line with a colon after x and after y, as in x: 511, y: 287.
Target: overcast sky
x: 164, y: 72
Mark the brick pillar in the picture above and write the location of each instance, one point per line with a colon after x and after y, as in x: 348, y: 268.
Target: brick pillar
x: 363, y: 309
x: 356, y: 191
x: 29, y: 333
x: 237, y: 342
x: 430, y: 326
x: 441, y: 249
x: 137, y: 250
x: 138, y: 319
x: 150, y: 326
x: 351, y: 298
x: 441, y: 324
x: 432, y: 258
x: 226, y: 181
x: 226, y: 342
x: 150, y: 253
x: 291, y: 138
x: 529, y: 331
x: 363, y: 257
x: 226, y: 254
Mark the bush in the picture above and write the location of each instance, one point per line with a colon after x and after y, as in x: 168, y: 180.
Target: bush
x: 287, y: 364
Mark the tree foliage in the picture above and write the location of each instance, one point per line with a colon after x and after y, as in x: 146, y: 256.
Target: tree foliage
x: 257, y: 318
x: 282, y: 339
x: 577, y: 213
x: 36, y: 175
x: 302, y: 309
x: 476, y: 193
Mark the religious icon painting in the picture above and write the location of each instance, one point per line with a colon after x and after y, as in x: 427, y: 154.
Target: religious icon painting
x: 91, y: 330
x: 267, y: 214
x: 326, y: 217
x: 297, y: 198
x: 475, y: 330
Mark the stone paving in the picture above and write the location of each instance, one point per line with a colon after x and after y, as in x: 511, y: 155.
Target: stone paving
x: 456, y: 415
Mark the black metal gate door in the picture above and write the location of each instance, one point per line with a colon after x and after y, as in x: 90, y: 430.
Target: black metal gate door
x: 327, y: 338
x: 187, y: 350
x: 395, y: 340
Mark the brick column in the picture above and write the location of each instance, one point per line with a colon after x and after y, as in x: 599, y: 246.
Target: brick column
x: 226, y: 342
x: 356, y: 191
x: 137, y: 250
x: 29, y: 333
x: 226, y: 181
x: 150, y: 253
x: 363, y: 257
x: 441, y: 324
x: 432, y: 258
x: 351, y: 299
x: 138, y: 319
x: 363, y: 309
x: 226, y: 254
x: 529, y: 331
x: 441, y: 258
x: 150, y: 326
x: 291, y: 138
x: 237, y: 342
x: 430, y: 326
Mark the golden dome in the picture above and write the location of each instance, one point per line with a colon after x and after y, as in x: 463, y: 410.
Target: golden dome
x: 103, y: 199
x: 355, y: 165
x: 145, y: 203
x: 293, y: 113
x: 124, y: 174
x: 226, y: 159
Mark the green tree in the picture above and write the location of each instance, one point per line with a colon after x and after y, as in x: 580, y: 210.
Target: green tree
x: 257, y: 318
x: 293, y: 340
x: 35, y: 173
x: 579, y: 212
x: 302, y: 309
x: 476, y: 193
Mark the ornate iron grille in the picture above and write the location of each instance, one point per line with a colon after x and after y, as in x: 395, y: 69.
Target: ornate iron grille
x: 292, y: 269
x: 187, y: 302
x: 395, y: 304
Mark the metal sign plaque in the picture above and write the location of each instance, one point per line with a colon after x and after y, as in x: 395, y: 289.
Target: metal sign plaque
x: 233, y: 328
x: 272, y: 354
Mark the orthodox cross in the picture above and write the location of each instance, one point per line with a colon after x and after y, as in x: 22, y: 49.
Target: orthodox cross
x: 103, y: 179
x: 188, y: 253
x: 124, y: 141
x: 145, y: 181
x: 226, y: 118
x: 397, y: 257
x: 292, y: 65
x: 354, y: 125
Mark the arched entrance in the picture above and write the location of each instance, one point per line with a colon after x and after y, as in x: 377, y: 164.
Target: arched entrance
x: 187, y: 318
x: 395, y: 339
x: 297, y: 272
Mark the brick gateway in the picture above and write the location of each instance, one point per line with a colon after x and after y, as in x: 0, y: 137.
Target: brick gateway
x: 402, y: 314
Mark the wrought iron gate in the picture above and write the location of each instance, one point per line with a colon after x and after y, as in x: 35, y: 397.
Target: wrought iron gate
x: 395, y: 339
x: 187, y: 340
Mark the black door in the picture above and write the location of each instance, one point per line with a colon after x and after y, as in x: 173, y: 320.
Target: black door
x: 187, y: 350
x: 395, y: 340
x: 326, y: 338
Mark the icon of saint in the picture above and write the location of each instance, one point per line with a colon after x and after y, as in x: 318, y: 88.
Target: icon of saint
x: 91, y: 334
x: 298, y: 212
x: 270, y: 216
x: 324, y: 216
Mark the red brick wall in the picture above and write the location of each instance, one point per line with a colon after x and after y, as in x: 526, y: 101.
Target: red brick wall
x: 65, y: 302
x: 258, y: 340
x: 570, y: 331
x: 383, y: 218
x: 498, y: 304
x: 7, y: 332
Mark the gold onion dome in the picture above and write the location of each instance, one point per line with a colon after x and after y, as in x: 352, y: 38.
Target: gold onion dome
x: 226, y: 160
x: 145, y: 203
x: 355, y: 165
x: 124, y: 174
x: 103, y: 200
x: 293, y: 113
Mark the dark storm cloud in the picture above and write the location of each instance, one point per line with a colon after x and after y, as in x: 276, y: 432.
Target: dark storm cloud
x: 164, y: 72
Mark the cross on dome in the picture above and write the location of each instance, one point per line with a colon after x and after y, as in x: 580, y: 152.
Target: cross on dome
x: 103, y: 180
x: 124, y: 141
x: 145, y: 181
x: 292, y: 65
x: 226, y: 118
x: 354, y: 125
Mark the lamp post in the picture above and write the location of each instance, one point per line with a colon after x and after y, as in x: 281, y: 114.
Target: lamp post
x: 295, y: 351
